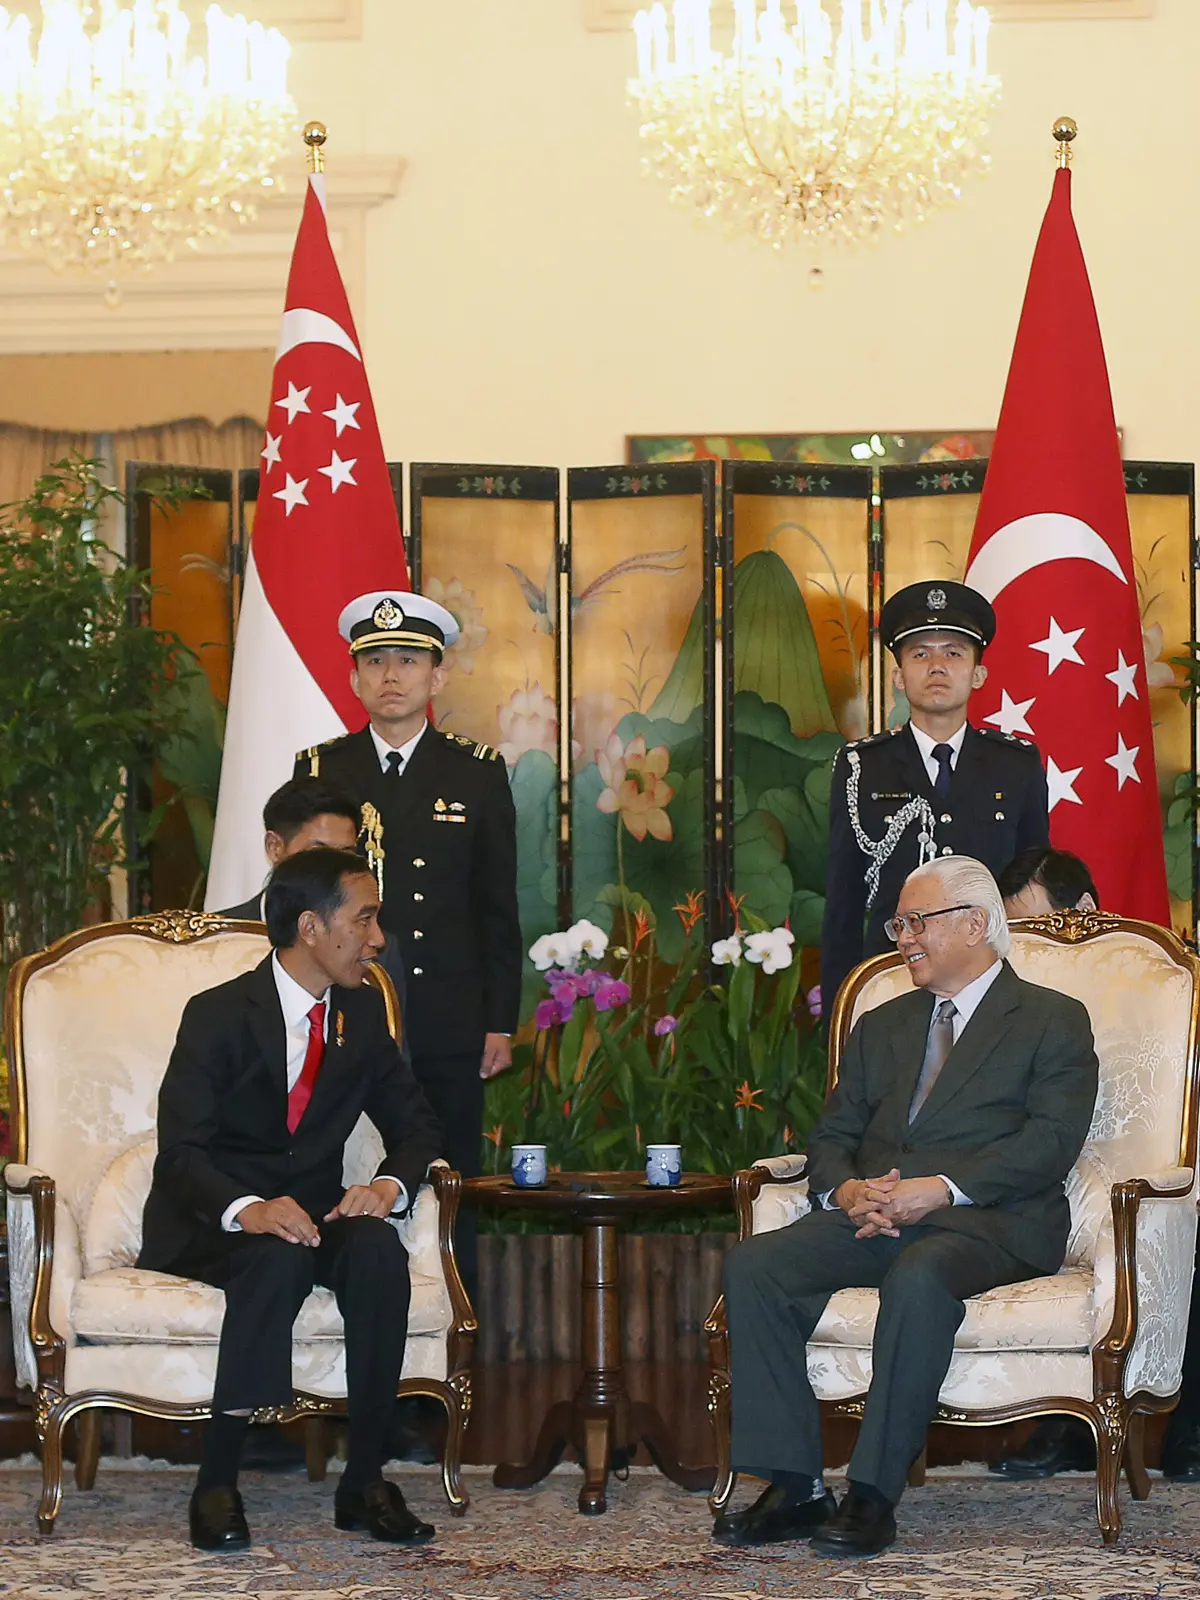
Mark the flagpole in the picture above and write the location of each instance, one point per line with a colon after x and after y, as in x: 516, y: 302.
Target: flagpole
x: 315, y: 135
x: 1064, y: 130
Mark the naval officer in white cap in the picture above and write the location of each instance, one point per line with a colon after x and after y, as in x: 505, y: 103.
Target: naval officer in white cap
x: 439, y: 828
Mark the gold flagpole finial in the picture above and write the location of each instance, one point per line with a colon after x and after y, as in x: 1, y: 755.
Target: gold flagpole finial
x: 315, y: 135
x: 1064, y: 130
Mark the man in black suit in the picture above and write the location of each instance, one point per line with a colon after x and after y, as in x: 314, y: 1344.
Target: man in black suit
x: 315, y: 811
x: 936, y: 786
x: 440, y: 829
x: 936, y: 1173
x: 269, y: 1075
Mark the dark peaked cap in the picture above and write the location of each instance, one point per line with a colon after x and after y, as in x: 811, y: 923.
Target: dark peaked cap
x: 937, y: 606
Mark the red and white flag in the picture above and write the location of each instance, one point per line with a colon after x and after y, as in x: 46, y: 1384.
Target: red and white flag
x: 1051, y: 551
x: 325, y: 530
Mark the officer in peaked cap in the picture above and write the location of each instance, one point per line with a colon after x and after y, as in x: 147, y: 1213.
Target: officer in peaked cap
x: 936, y: 786
x: 439, y: 828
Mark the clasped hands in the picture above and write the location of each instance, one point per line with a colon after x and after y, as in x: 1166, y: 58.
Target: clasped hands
x: 288, y: 1220
x: 885, y: 1205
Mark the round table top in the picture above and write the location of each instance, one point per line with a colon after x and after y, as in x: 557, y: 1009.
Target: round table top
x: 600, y: 1194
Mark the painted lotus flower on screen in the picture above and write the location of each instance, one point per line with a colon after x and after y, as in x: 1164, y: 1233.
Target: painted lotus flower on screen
x: 529, y: 721
x: 462, y: 605
x: 635, y: 786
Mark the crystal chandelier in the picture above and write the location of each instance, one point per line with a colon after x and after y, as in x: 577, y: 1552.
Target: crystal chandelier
x: 118, y: 147
x: 796, y: 134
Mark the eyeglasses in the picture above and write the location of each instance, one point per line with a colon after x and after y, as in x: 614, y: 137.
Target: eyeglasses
x: 915, y: 921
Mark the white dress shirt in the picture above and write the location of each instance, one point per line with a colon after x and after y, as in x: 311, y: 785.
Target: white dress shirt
x: 966, y: 1003
x: 927, y: 746
x: 295, y: 1002
x: 383, y: 749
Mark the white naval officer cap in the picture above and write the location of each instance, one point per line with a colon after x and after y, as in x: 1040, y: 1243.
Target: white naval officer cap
x: 394, y: 618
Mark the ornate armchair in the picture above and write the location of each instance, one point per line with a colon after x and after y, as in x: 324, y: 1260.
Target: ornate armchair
x: 1103, y: 1339
x: 90, y: 1025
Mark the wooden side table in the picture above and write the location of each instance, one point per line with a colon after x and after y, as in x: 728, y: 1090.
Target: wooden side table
x: 601, y: 1420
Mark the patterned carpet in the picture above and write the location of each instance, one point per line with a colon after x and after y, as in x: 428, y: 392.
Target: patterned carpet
x: 961, y: 1538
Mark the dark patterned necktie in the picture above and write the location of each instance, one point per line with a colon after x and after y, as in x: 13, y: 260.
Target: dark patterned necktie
x: 937, y: 1048
x: 943, y: 755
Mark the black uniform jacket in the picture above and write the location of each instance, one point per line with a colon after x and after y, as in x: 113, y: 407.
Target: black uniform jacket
x: 447, y: 827
x: 996, y: 807
x: 222, y: 1113
x: 1005, y: 1120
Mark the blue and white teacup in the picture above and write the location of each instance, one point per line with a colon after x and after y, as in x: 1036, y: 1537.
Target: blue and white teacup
x: 529, y: 1165
x: 664, y: 1165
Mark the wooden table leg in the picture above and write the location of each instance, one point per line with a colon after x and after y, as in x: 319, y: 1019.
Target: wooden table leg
x: 647, y: 1425
x: 556, y: 1432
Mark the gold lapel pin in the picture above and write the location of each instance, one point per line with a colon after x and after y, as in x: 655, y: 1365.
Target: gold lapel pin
x: 340, y: 1037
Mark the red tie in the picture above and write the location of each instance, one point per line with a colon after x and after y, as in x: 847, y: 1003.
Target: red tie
x: 301, y: 1092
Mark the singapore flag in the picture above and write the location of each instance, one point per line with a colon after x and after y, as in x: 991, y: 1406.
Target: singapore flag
x: 325, y: 530
x: 1051, y: 551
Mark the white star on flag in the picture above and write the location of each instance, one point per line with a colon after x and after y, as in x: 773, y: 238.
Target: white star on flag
x: 339, y: 472
x: 1123, y: 676
x: 344, y: 415
x: 1012, y: 714
x: 270, y: 451
x: 1059, y: 646
x: 292, y: 494
x: 1123, y: 763
x: 295, y: 400
x: 1061, y: 785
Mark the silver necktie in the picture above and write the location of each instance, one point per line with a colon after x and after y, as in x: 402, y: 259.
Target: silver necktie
x: 937, y: 1048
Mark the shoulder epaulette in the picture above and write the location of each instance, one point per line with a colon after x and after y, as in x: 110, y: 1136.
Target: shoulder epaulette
x: 313, y: 755
x: 872, y: 738
x: 1010, y: 739
x: 481, y: 752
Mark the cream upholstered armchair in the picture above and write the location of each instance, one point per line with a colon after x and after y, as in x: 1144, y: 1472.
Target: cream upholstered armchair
x: 1103, y: 1339
x: 90, y: 1025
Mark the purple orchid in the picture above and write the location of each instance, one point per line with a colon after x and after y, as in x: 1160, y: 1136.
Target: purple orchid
x: 666, y: 1025
x: 610, y: 993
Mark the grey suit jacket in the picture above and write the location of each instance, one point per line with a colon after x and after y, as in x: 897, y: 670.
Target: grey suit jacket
x: 1004, y: 1121
x: 391, y: 959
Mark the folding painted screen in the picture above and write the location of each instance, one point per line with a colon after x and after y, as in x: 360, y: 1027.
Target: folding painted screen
x: 485, y: 544
x: 797, y: 613
x: 928, y: 514
x: 643, y: 576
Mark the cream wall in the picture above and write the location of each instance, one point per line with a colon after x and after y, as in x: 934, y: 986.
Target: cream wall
x: 531, y: 298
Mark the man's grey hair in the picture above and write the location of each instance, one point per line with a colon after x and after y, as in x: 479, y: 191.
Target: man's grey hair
x: 968, y: 882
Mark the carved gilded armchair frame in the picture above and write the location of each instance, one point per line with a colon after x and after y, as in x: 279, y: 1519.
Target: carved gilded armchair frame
x: 1115, y: 1418
x: 54, y: 1408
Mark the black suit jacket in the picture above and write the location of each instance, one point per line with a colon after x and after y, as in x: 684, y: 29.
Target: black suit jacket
x: 1004, y: 1121
x: 449, y: 880
x: 996, y: 807
x: 222, y: 1113
x: 390, y: 960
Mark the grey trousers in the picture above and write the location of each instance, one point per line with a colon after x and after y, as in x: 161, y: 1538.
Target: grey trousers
x: 776, y: 1287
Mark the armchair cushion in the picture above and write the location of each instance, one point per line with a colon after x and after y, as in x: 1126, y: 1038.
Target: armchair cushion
x: 112, y: 1231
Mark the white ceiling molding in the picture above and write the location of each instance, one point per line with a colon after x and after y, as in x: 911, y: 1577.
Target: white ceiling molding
x: 226, y: 296
x: 299, y: 20
x: 611, y: 16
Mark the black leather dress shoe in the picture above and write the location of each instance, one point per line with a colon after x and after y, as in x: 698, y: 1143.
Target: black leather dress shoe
x: 863, y: 1526
x: 216, y: 1520
x: 1181, y: 1451
x: 1059, y: 1444
x: 774, y: 1516
x: 379, y: 1509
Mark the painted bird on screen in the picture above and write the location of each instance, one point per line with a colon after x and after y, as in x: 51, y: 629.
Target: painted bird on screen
x: 540, y: 598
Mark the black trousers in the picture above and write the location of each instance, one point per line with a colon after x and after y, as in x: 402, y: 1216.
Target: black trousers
x: 777, y: 1286
x: 454, y: 1089
x: 266, y: 1281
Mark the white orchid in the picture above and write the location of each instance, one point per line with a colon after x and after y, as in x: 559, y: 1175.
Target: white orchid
x: 772, y: 949
x: 552, y: 950
x: 584, y: 938
x: 727, y: 952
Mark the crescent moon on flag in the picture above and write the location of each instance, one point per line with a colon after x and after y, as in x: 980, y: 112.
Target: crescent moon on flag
x: 312, y: 327
x: 1029, y: 542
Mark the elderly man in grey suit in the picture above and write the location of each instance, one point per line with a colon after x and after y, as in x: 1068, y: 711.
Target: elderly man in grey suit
x: 935, y: 1173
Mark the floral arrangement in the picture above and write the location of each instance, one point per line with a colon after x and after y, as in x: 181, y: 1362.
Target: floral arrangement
x: 716, y: 1051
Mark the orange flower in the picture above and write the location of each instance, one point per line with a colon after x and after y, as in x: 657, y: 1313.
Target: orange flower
x: 641, y: 927
x: 736, y: 902
x: 746, y: 1096
x: 495, y: 1134
x: 566, y: 1108
x: 635, y: 786
x: 692, y: 909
